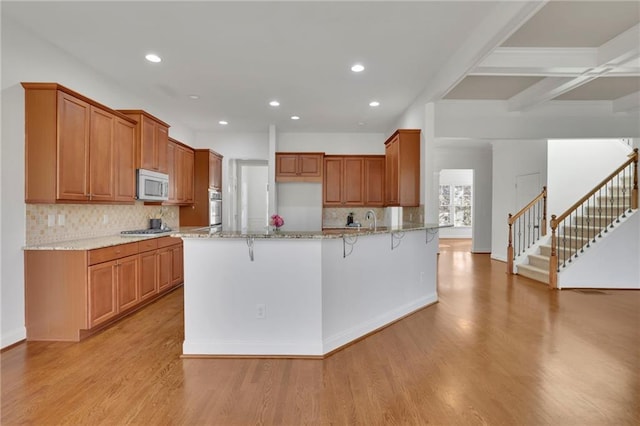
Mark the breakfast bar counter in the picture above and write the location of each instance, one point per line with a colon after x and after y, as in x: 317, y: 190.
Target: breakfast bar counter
x: 280, y: 293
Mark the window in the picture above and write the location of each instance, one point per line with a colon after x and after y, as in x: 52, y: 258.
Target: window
x: 455, y: 205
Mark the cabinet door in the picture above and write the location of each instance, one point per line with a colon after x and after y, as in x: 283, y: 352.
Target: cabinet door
x: 73, y: 148
x: 101, y: 154
x: 353, y: 182
x: 161, y: 143
x: 171, y: 169
x: 215, y: 172
x: 164, y: 268
x: 310, y: 165
x: 286, y: 165
x: 177, y: 269
x: 332, y: 181
x: 179, y: 173
x: 148, y: 156
x: 125, y: 160
x: 188, y: 170
x: 374, y: 181
x: 127, y: 279
x: 148, y: 274
x: 391, y: 172
x: 102, y: 292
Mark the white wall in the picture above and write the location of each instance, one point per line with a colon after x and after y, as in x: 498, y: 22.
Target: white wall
x: 605, y: 265
x: 479, y: 159
x: 28, y: 58
x: 512, y: 158
x: 458, y: 177
x: 576, y: 166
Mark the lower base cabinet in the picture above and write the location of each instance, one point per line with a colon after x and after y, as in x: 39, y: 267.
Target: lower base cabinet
x: 70, y: 294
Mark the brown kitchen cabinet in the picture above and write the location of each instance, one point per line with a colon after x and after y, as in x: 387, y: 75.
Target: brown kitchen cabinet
x: 374, y: 180
x: 71, y: 294
x: 215, y: 171
x: 352, y: 180
x: 180, y: 161
x: 402, y: 168
x: 152, y: 140
x: 299, y: 166
x: 207, y: 176
x: 73, y: 148
x: 112, y: 288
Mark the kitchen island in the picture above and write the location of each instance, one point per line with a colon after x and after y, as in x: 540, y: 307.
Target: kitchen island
x: 279, y: 293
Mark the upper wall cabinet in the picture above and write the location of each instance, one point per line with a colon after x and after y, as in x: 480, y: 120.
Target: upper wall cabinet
x: 76, y: 149
x: 152, y: 137
x: 207, y: 177
x: 299, y: 166
x: 402, y: 168
x: 181, y: 169
x: 353, y: 181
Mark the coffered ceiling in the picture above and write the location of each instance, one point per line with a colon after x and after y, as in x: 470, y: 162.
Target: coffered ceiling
x: 237, y: 56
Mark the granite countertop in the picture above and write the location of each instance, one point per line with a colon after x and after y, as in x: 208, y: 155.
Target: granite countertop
x: 100, y: 242
x: 325, y: 233
x: 203, y: 232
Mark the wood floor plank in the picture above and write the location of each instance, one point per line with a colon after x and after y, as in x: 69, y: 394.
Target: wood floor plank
x: 495, y: 350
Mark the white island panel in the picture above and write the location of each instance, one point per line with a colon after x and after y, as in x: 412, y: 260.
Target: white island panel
x: 374, y: 285
x: 320, y: 290
x: 223, y: 288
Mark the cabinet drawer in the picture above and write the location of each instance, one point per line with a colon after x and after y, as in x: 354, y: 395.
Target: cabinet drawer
x: 168, y: 241
x: 111, y: 253
x: 146, y: 245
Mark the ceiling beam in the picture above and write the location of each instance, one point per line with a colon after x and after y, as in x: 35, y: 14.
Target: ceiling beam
x: 506, y: 18
x: 614, y: 53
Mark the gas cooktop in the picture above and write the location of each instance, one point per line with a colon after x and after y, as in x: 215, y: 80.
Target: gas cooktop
x: 144, y: 232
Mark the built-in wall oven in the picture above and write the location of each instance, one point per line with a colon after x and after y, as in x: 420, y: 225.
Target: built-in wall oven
x: 215, y: 209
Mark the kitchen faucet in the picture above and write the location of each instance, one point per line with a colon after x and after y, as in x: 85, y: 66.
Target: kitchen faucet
x: 369, y: 215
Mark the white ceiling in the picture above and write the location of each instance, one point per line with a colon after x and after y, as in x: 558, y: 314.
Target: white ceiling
x: 237, y: 56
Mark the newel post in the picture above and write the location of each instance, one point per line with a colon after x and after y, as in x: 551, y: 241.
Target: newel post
x: 544, y: 211
x: 634, y: 191
x: 510, y: 249
x: 553, y: 259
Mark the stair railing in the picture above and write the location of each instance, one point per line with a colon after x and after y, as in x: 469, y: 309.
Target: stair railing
x: 530, y: 225
x: 592, y: 216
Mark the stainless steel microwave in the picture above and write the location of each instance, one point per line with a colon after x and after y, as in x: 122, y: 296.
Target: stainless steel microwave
x: 152, y: 186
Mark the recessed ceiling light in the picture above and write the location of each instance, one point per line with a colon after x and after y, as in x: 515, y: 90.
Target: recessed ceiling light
x: 361, y: 123
x: 194, y: 97
x: 274, y: 103
x: 357, y: 68
x: 295, y: 117
x: 374, y: 103
x: 223, y: 123
x: 152, y: 57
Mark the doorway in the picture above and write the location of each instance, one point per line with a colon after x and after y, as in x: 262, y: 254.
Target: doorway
x: 456, y: 203
x: 251, y: 195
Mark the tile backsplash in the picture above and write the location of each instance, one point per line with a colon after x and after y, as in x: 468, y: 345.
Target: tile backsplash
x: 337, y: 217
x: 76, y: 221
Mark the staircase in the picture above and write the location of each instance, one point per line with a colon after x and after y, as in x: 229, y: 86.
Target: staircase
x: 580, y: 227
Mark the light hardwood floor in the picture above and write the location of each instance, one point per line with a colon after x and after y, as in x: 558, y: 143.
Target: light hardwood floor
x: 496, y: 350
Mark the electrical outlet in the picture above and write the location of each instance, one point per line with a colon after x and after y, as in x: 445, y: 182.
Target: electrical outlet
x: 261, y: 310
x: 61, y: 220
x: 51, y: 220
x: 105, y: 219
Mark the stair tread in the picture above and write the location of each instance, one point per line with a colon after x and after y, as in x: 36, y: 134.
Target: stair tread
x: 533, y: 268
x: 539, y: 256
